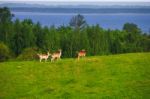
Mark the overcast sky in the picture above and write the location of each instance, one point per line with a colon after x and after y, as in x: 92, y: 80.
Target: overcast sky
x: 78, y: 0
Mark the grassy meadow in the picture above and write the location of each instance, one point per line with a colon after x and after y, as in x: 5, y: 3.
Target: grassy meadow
x: 123, y: 76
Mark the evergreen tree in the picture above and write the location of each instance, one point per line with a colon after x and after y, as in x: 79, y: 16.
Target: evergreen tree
x: 78, y: 22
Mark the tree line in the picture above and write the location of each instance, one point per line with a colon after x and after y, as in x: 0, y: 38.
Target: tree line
x: 19, y: 35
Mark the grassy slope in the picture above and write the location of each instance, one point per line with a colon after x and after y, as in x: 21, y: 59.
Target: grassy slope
x: 115, y: 76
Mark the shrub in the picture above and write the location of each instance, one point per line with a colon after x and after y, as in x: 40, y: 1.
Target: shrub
x: 28, y: 54
x: 4, y: 52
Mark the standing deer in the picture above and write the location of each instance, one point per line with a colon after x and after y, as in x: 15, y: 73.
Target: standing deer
x: 81, y: 53
x: 43, y: 56
x: 56, y: 55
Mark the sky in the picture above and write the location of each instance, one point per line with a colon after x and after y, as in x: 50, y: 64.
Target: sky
x: 77, y: 0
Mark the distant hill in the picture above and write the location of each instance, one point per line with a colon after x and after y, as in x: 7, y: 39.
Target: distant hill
x: 79, y: 10
x: 77, y: 5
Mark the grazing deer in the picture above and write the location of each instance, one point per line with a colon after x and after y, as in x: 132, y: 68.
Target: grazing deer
x: 43, y: 56
x: 56, y: 55
x: 81, y: 53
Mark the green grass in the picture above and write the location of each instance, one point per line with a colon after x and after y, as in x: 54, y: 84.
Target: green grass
x: 124, y: 76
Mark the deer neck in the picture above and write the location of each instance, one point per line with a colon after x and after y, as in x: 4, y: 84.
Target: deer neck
x: 60, y: 52
x: 48, y: 54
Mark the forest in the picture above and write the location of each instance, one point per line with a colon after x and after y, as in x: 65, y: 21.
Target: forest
x: 23, y: 39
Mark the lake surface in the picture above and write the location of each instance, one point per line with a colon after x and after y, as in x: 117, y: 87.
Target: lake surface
x: 106, y: 18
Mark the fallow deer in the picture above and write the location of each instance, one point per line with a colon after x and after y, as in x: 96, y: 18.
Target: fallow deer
x: 43, y: 56
x: 81, y: 53
x: 56, y: 55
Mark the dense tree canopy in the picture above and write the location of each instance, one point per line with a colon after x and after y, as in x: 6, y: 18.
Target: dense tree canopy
x: 19, y: 35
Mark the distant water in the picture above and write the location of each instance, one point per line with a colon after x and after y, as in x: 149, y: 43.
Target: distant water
x: 110, y: 19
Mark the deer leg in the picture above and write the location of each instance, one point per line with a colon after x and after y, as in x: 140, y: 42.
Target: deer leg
x: 51, y: 59
x: 78, y: 57
x: 58, y: 58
